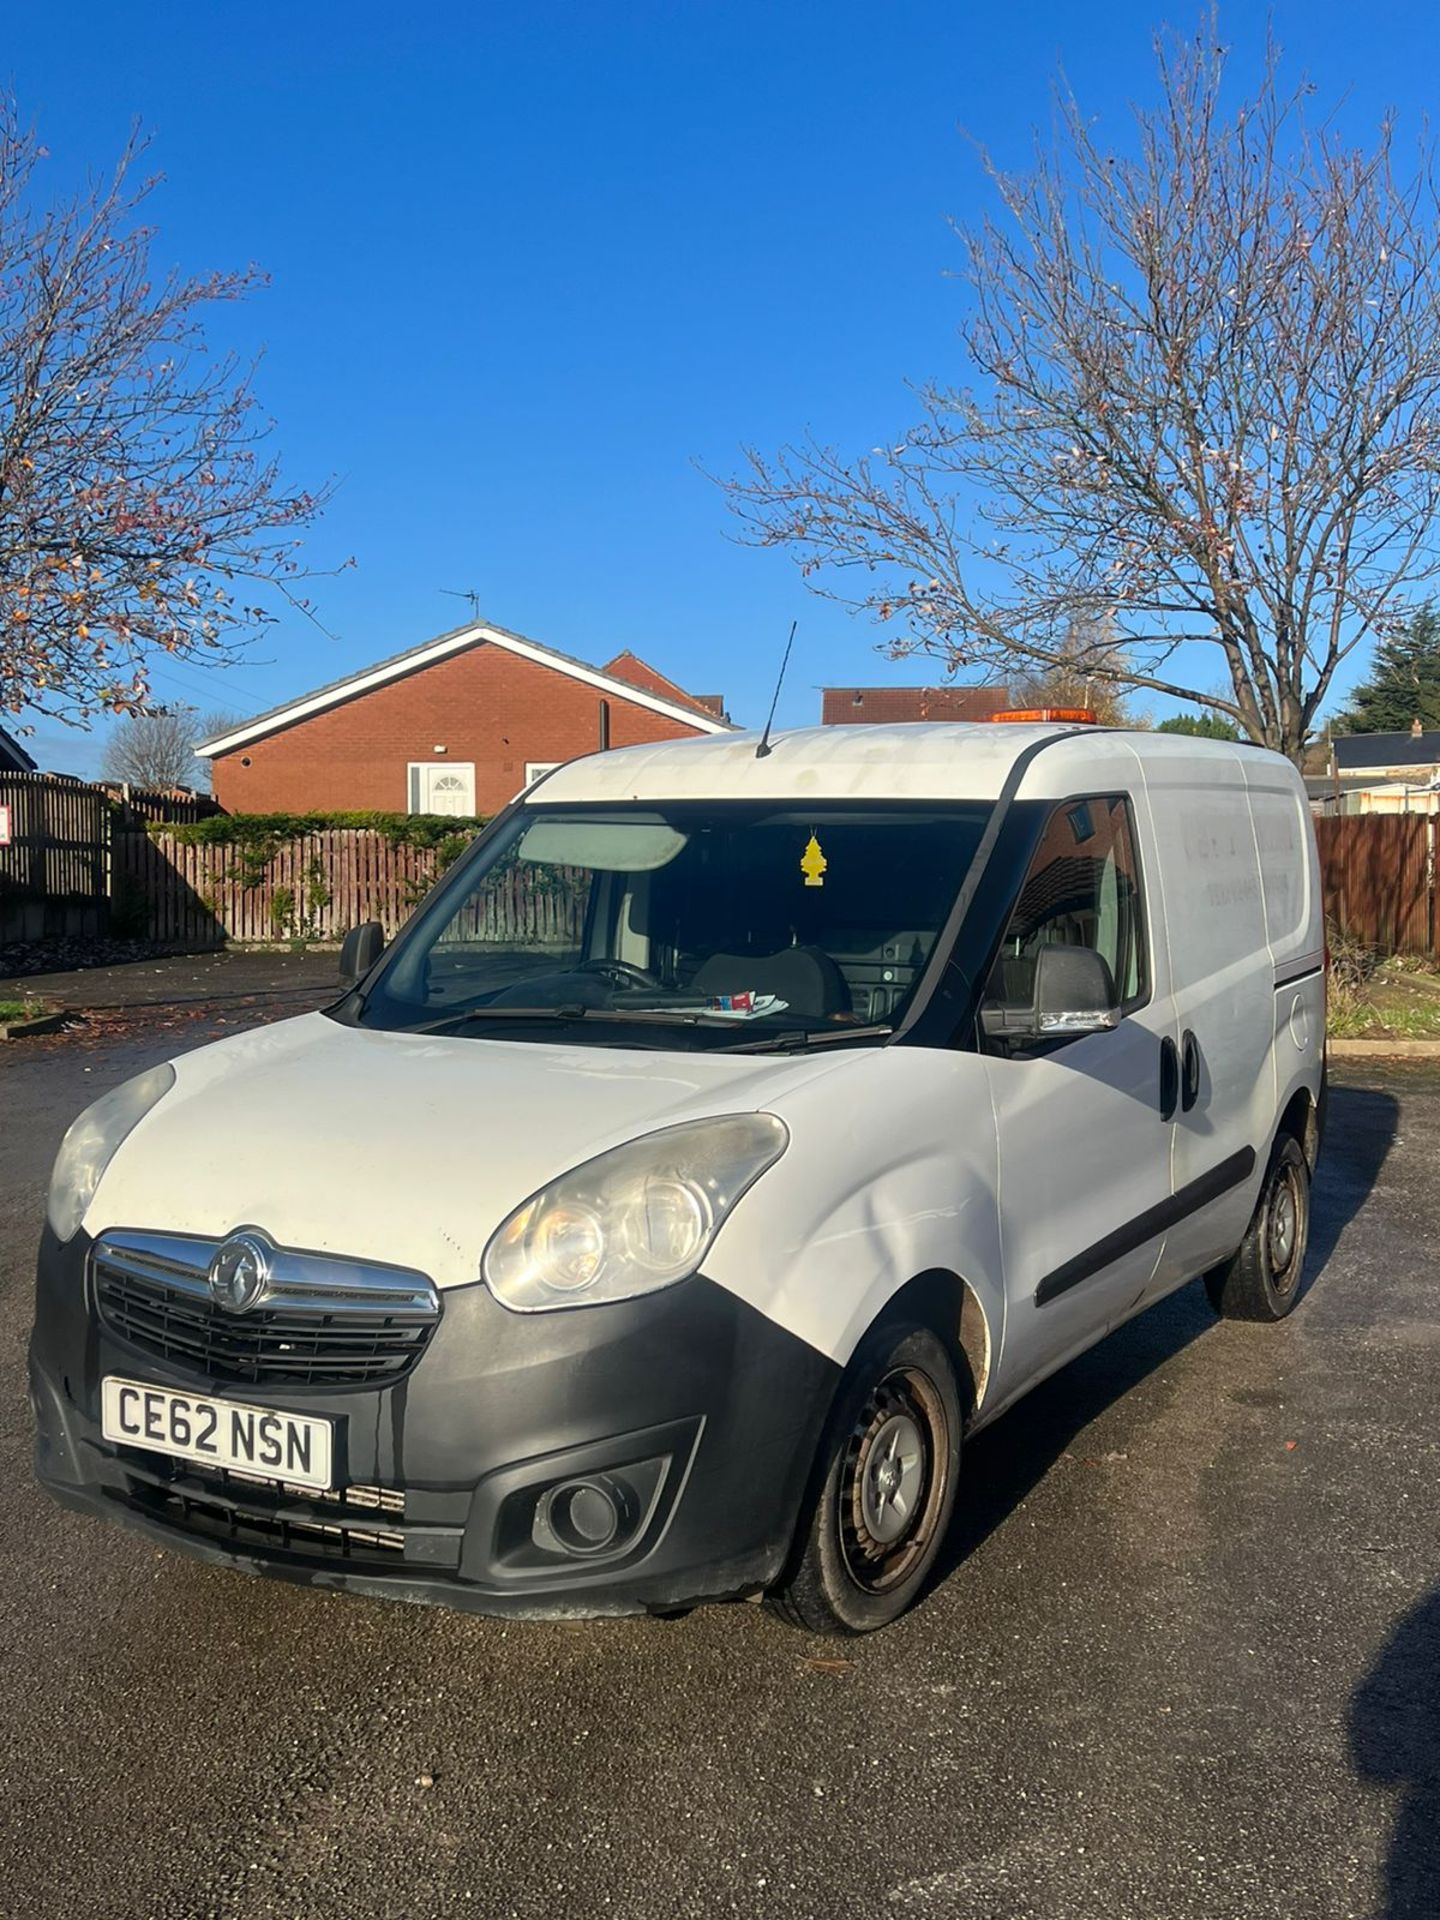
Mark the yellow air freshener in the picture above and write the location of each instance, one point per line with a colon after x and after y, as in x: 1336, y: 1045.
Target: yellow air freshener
x: 813, y: 864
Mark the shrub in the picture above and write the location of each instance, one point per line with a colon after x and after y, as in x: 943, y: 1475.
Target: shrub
x: 273, y: 830
x: 1352, y: 964
x: 282, y: 909
x: 317, y: 893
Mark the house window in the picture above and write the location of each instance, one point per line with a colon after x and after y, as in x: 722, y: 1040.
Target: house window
x: 534, y: 769
x: 442, y: 786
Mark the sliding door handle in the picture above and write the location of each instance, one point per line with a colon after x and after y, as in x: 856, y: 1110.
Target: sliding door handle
x: 1169, y: 1078
x: 1189, y: 1070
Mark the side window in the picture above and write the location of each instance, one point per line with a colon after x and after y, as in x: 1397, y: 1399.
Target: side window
x: 1082, y: 890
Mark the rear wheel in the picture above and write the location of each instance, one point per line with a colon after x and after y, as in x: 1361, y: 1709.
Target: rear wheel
x: 1262, y: 1279
x: 888, y: 1468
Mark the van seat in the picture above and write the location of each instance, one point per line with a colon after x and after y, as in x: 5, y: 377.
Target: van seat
x: 805, y: 978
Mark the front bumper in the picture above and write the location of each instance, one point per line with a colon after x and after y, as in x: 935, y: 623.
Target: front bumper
x: 697, y: 1414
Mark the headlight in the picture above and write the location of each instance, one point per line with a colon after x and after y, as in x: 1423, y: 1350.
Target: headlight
x: 89, y: 1146
x: 639, y: 1217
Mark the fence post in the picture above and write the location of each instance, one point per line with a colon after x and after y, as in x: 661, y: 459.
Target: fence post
x: 107, y: 867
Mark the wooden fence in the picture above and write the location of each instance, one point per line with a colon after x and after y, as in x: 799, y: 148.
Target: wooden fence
x: 316, y: 887
x: 58, y: 853
x: 54, y: 858
x: 58, y: 842
x: 1378, y: 875
x: 525, y: 905
x: 143, y: 803
x: 319, y: 885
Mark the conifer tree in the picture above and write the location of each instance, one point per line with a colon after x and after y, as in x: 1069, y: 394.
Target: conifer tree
x: 1404, y: 683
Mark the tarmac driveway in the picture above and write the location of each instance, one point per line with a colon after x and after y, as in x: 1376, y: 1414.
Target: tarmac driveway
x: 1188, y: 1663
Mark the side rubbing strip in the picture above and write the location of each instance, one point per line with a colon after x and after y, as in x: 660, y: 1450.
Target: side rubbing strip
x: 1148, y: 1225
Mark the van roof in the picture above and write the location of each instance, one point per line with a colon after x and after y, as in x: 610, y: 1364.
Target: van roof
x: 911, y: 761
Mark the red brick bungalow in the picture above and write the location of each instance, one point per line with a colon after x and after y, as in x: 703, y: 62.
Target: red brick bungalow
x: 458, y: 725
x: 883, y: 706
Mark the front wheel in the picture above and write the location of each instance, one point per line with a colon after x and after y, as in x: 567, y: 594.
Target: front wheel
x: 888, y: 1469
x: 1261, y: 1281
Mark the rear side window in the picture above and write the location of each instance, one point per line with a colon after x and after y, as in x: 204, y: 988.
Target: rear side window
x: 1082, y: 890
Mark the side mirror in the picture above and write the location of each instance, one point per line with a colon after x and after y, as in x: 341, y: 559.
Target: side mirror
x: 363, y: 947
x: 1072, y: 993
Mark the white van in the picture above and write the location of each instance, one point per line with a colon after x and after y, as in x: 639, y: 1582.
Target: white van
x: 735, y: 1128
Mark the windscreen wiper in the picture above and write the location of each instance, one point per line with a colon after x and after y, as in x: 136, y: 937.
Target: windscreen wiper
x: 576, y: 1010
x: 801, y: 1039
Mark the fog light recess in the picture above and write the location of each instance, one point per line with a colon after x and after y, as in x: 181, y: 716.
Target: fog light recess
x: 593, y: 1515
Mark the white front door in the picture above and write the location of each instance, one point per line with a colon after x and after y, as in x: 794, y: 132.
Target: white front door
x: 1084, y: 1151
x: 443, y: 786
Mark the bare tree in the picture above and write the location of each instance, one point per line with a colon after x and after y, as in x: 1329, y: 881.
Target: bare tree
x: 1206, y: 367
x: 155, y: 749
x: 136, y: 506
x: 1071, y: 679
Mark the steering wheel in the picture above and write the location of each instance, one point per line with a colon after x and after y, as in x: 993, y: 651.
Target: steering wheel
x: 622, y: 974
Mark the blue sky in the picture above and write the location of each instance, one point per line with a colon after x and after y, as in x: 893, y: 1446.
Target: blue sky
x: 532, y: 262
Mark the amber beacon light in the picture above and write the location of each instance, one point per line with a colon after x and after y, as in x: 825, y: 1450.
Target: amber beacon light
x: 1072, y: 716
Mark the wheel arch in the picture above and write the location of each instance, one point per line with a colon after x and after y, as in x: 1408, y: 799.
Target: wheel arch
x: 1301, y: 1120
x: 947, y: 1303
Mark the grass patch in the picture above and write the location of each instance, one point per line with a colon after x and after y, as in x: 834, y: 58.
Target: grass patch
x: 1399, y: 1000
x: 21, y: 1010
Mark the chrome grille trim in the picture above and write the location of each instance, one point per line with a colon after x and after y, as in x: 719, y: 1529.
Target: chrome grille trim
x: 322, y: 1321
x: 383, y: 1499
x: 321, y: 1282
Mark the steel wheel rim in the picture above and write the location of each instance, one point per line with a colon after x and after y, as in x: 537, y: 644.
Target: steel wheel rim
x: 1285, y: 1230
x: 894, y: 1481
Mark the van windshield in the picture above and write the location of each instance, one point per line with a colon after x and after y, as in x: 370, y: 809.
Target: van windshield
x: 709, y: 923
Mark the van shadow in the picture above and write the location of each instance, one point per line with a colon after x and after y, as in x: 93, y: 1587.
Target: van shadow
x: 1005, y: 1463
x: 1360, y: 1130
x: 1008, y: 1460
x: 1395, y: 1741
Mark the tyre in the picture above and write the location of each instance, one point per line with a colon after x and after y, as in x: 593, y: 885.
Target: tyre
x: 887, y: 1472
x: 1261, y: 1281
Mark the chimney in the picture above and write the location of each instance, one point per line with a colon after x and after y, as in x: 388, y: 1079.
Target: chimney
x: 1416, y: 729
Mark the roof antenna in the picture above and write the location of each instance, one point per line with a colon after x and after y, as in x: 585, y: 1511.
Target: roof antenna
x: 466, y: 593
x: 765, y: 746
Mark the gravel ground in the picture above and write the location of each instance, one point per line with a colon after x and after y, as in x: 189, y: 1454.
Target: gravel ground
x: 1185, y: 1660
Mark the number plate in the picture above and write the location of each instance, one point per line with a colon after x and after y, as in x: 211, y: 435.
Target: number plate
x: 218, y: 1433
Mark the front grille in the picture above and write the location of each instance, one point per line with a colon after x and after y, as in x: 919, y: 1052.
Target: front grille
x: 320, y: 1322
x: 363, y: 1526
x: 232, y: 1524
x: 221, y: 1520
